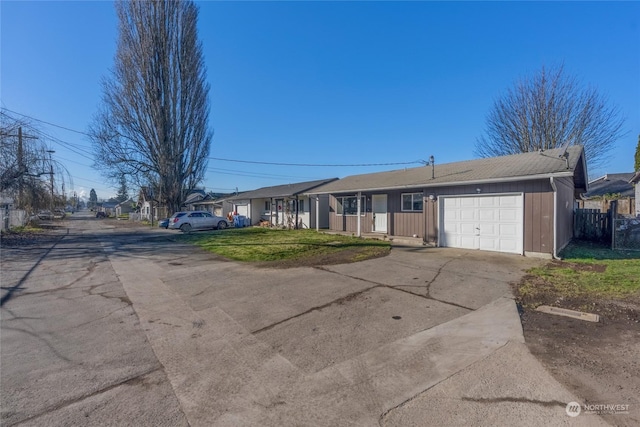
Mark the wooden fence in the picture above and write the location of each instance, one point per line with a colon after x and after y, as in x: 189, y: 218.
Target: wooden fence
x: 593, y: 225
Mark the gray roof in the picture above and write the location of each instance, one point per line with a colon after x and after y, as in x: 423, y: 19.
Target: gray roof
x: 492, y: 169
x: 611, y: 183
x: 286, y: 190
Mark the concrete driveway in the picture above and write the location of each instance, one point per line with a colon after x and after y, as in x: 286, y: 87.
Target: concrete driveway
x: 422, y: 337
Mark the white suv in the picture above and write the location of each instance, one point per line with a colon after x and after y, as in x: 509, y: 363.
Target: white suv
x: 196, y: 220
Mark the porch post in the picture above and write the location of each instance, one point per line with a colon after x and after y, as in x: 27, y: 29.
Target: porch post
x: 359, y: 202
x: 318, y: 212
x: 271, y: 211
x: 297, y: 207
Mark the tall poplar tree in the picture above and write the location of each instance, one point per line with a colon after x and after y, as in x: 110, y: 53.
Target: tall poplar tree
x: 153, y: 123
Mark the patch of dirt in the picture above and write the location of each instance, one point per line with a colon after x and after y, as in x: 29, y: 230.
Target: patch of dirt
x: 346, y: 256
x: 30, y: 238
x: 598, y: 362
x: 598, y: 268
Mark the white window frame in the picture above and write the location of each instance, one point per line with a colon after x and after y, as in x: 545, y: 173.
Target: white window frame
x: 340, y: 205
x: 413, y: 200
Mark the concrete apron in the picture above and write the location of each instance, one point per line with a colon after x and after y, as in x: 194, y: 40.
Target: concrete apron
x: 223, y: 375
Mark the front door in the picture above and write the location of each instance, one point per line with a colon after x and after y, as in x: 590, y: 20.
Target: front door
x: 380, y: 213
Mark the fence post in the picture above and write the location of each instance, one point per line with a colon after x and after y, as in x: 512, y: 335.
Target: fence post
x: 613, y: 214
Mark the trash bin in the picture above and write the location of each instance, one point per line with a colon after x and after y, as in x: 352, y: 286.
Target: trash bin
x: 239, y: 220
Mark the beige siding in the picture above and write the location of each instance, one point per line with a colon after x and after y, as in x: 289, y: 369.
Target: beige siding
x: 403, y: 223
x: 349, y: 223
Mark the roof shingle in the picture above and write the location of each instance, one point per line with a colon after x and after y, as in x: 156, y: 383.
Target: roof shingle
x: 492, y: 169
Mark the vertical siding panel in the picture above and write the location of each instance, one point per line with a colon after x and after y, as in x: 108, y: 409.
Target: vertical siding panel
x: 537, y: 223
x: 546, y: 223
x: 528, y: 215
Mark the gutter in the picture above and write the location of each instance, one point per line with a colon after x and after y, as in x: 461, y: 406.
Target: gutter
x: 452, y: 184
x: 555, y: 217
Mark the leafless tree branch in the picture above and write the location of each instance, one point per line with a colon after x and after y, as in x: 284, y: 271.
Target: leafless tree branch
x: 551, y: 109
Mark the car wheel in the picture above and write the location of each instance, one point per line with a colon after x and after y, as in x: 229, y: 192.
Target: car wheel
x: 222, y: 225
x: 185, y: 228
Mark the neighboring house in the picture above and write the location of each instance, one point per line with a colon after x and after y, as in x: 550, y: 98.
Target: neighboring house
x: 285, y: 205
x: 211, y: 202
x: 109, y: 207
x: 144, y: 204
x: 521, y: 203
x: 612, y: 186
x: 611, y: 183
x: 148, y: 208
x: 125, y: 207
x: 193, y: 197
x: 635, y: 180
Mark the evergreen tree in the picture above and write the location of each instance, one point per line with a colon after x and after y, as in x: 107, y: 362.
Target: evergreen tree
x: 637, y: 162
x: 123, y: 193
x: 93, y: 199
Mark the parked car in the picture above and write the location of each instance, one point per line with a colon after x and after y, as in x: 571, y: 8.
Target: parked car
x: 45, y: 215
x: 163, y: 223
x: 196, y: 220
x: 101, y: 214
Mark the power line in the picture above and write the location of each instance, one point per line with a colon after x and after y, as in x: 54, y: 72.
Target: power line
x: 315, y: 164
x: 254, y: 162
x: 48, y: 123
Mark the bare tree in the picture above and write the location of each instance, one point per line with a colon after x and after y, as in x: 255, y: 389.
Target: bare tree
x: 27, y: 170
x: 153, y: 124
x: 551, y: 109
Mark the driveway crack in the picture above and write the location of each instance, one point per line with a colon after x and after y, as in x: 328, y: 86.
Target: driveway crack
x: 316, y: 308
x: 428, y: 286
x: 130, y: 380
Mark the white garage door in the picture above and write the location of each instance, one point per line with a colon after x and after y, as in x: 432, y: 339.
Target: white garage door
x: 490, y: 223
x: 242, y: 210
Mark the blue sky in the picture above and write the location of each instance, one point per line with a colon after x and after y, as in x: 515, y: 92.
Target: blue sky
x: 328, y: 82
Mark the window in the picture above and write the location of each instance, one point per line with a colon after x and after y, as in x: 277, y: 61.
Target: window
x: 267, y: 205
x: 412, y: 202
x: 300, y: 205
x: 349, y: 206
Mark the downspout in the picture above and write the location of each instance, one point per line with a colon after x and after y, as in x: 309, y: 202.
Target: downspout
x: 555, y: 217
x: 297, y: 208
x: 359, y: 204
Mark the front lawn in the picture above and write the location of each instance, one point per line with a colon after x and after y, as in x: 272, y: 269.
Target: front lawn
x: 287, y: 247
x: 587, y: 273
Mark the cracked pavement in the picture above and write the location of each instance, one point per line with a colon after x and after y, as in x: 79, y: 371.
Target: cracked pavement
x: 126, y: 326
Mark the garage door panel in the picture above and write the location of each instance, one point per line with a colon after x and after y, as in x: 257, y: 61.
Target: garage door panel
x: 509, y: 214
x: 467, y: 228
x: 467, y: 214
x: 493, y: 223
x: 508, y: 230
x: 488, y: 214
x: 513, y: 201
x: 486, y: 201
x: 489, y: 230
x: 467, y: 242
x: 488, y: 244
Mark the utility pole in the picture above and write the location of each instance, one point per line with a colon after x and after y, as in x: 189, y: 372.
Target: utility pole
x: 51, y: 173
x: 20, y: 165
